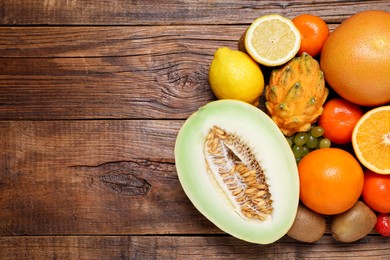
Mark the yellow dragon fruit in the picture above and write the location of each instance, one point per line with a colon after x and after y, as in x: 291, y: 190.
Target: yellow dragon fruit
x: 295, y: 94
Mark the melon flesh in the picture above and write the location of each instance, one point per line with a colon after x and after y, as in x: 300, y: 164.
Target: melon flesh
x: 271, y: 150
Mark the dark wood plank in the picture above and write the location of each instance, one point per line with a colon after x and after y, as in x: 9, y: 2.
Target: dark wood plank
x: 159, y: 72
x: 150, y: 86
x: 141, y: 42
x: 107, y: 72
x: 93, y: 177
x: 171, y: 12
x: 185, y: 247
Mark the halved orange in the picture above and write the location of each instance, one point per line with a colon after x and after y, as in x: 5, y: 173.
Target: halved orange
x: 371, y: 140
x: 272, y: 40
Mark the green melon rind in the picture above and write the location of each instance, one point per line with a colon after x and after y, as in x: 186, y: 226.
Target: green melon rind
x: 269, y: 146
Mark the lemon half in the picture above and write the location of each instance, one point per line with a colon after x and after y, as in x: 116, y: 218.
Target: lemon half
x: 272, y: 40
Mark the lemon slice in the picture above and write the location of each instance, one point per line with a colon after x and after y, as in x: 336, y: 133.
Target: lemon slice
x: 371, y: 140
x: 272, y: 40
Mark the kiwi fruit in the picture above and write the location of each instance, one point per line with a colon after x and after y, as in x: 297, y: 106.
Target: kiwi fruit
x: 309, y: 226
x: 241, y: 43
x: 354, y: 223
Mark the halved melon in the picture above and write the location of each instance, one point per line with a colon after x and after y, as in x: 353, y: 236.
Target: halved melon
x: 238, y: 170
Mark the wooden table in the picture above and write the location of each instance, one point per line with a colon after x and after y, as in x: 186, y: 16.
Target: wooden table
x: 92, y: 96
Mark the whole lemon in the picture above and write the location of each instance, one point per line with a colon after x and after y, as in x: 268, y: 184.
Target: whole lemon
x: 235, y: 75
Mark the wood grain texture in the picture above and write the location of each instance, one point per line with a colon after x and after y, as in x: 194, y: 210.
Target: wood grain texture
x: 169, y: 86
x: 92, y: 95
x: 93, y: 177
x: 116, y: 41
x: 108, y: 72
x: 152, y: 12
x: 184, y: 247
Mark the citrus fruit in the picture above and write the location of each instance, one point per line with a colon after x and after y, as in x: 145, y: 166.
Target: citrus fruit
x: 235, y: 75
x: 314, y: 33
x: 338, y: 120
x: 272, y: 40
x: 376, y: 191
x: 331, y: 180
x: 371, y: 139
x: 356, y: 58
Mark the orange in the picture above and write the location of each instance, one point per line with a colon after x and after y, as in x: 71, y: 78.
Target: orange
x: 338, y: 119
x: 331, y: 180
x: 356, y: 58
x: 376, y: 191
x: 314, y: 33
x: 371, y: 140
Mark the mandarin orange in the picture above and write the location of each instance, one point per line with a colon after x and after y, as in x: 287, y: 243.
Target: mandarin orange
x: 339, y: 119
x: 356, y: 58
x: 376, y: 191
x: 314, y: 32
x: 331, y: 180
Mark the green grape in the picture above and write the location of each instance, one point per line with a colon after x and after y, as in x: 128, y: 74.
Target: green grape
x: 317, y: 131
x: 297, y: 151
x: 312, y: 142
x: 301, y: 138
x: 297, y: 160
x: 325, y: 143
x: 290, y: 140
x: 305, y: 150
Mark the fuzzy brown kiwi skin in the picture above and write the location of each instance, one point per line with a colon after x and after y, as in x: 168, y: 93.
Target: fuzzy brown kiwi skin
x: 241, y: 43
x: 308, y: 226
x: 353, y: 224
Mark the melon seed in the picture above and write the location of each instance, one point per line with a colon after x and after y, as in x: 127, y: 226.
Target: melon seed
x: 238, y: 173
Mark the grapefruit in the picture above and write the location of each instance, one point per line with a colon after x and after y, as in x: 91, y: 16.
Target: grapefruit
x: 356, y: 58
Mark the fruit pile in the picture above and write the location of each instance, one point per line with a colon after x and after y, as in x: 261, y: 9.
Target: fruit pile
x: 329, y: 94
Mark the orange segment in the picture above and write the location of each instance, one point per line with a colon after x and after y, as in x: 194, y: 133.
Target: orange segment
x: 371, y: 140
x: 272, y: 40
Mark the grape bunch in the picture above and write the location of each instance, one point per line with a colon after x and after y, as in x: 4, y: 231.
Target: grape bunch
x: 302, y: 143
